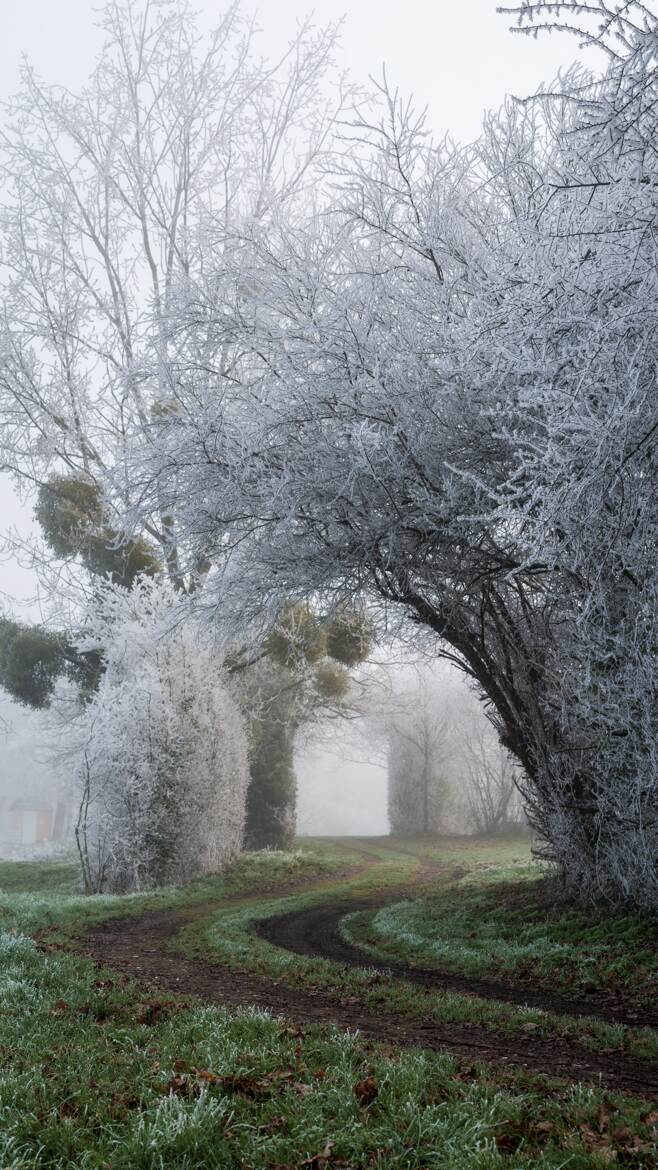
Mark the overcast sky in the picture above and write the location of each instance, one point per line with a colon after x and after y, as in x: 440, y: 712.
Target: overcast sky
x: 457, y: 58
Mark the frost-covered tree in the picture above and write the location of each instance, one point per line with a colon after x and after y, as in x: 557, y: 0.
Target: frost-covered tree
x: 419, y: 761
x: 161, y: 747
x: 445, y: 397
x: 488, y: 777
x: 37, y: 799
x: 113, y: 196
x: 447, y: 770
x: 577, y: 311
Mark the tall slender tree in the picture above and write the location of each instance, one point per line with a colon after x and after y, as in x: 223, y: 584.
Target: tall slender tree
x: 114, y: 198
x: 419, y: 760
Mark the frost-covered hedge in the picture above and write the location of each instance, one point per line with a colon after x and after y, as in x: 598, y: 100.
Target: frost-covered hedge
x: 162, y: 754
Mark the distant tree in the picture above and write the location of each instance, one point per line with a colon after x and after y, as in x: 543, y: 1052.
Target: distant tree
x: 419, y: 760
x: 30, y: 775
x: 447, y: 769
x: 488, y: 774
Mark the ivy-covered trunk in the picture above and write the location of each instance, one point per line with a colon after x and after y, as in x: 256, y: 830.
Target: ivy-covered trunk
x: 272, y: 792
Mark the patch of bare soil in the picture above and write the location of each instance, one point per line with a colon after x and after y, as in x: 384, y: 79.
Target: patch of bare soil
x: 135, y: 947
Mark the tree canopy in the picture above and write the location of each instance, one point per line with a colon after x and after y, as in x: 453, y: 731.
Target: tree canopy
x: 441, y: 393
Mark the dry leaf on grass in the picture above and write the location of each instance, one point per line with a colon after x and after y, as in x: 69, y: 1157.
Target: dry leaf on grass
x: 366, y: 1091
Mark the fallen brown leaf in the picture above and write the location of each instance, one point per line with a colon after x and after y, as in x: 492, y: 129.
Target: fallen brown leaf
x: 366, y: 1091
x: 597, y: 1143
x: 203, y: 1074
x: 603, y: 1117
x: 508, y: 1142
x: 152, y: 1011
x: 273, y: 1124
x: 509, y: 1135
x: 178, y: 1086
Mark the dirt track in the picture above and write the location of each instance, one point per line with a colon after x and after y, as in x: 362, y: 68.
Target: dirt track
x: 315, y: 932
x: 135, y: 947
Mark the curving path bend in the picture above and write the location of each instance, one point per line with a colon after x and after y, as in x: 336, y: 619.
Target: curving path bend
x: 315, y: 933
x: 136, y: 947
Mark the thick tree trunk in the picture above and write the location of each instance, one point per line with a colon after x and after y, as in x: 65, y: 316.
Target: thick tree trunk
x: 272, y: 792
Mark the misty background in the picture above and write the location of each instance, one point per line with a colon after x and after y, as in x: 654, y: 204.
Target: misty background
x: 342, y: 786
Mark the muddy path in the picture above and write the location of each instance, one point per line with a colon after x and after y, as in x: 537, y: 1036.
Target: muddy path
x: 315, y: 933
x: 140, y: 947
x: 136, y: 947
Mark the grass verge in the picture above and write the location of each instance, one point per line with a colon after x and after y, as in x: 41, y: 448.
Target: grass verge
x: 98, y: 1074
x: 506, y: 921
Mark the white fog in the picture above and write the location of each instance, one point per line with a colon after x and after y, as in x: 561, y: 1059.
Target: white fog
x: 339, y: 796
x: 424, y: 55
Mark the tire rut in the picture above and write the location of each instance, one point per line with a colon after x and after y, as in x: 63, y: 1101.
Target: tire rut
x: 315, y: 933
x: 135, y: 947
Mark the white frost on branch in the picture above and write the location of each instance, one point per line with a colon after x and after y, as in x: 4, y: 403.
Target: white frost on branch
x: 444, y: 395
